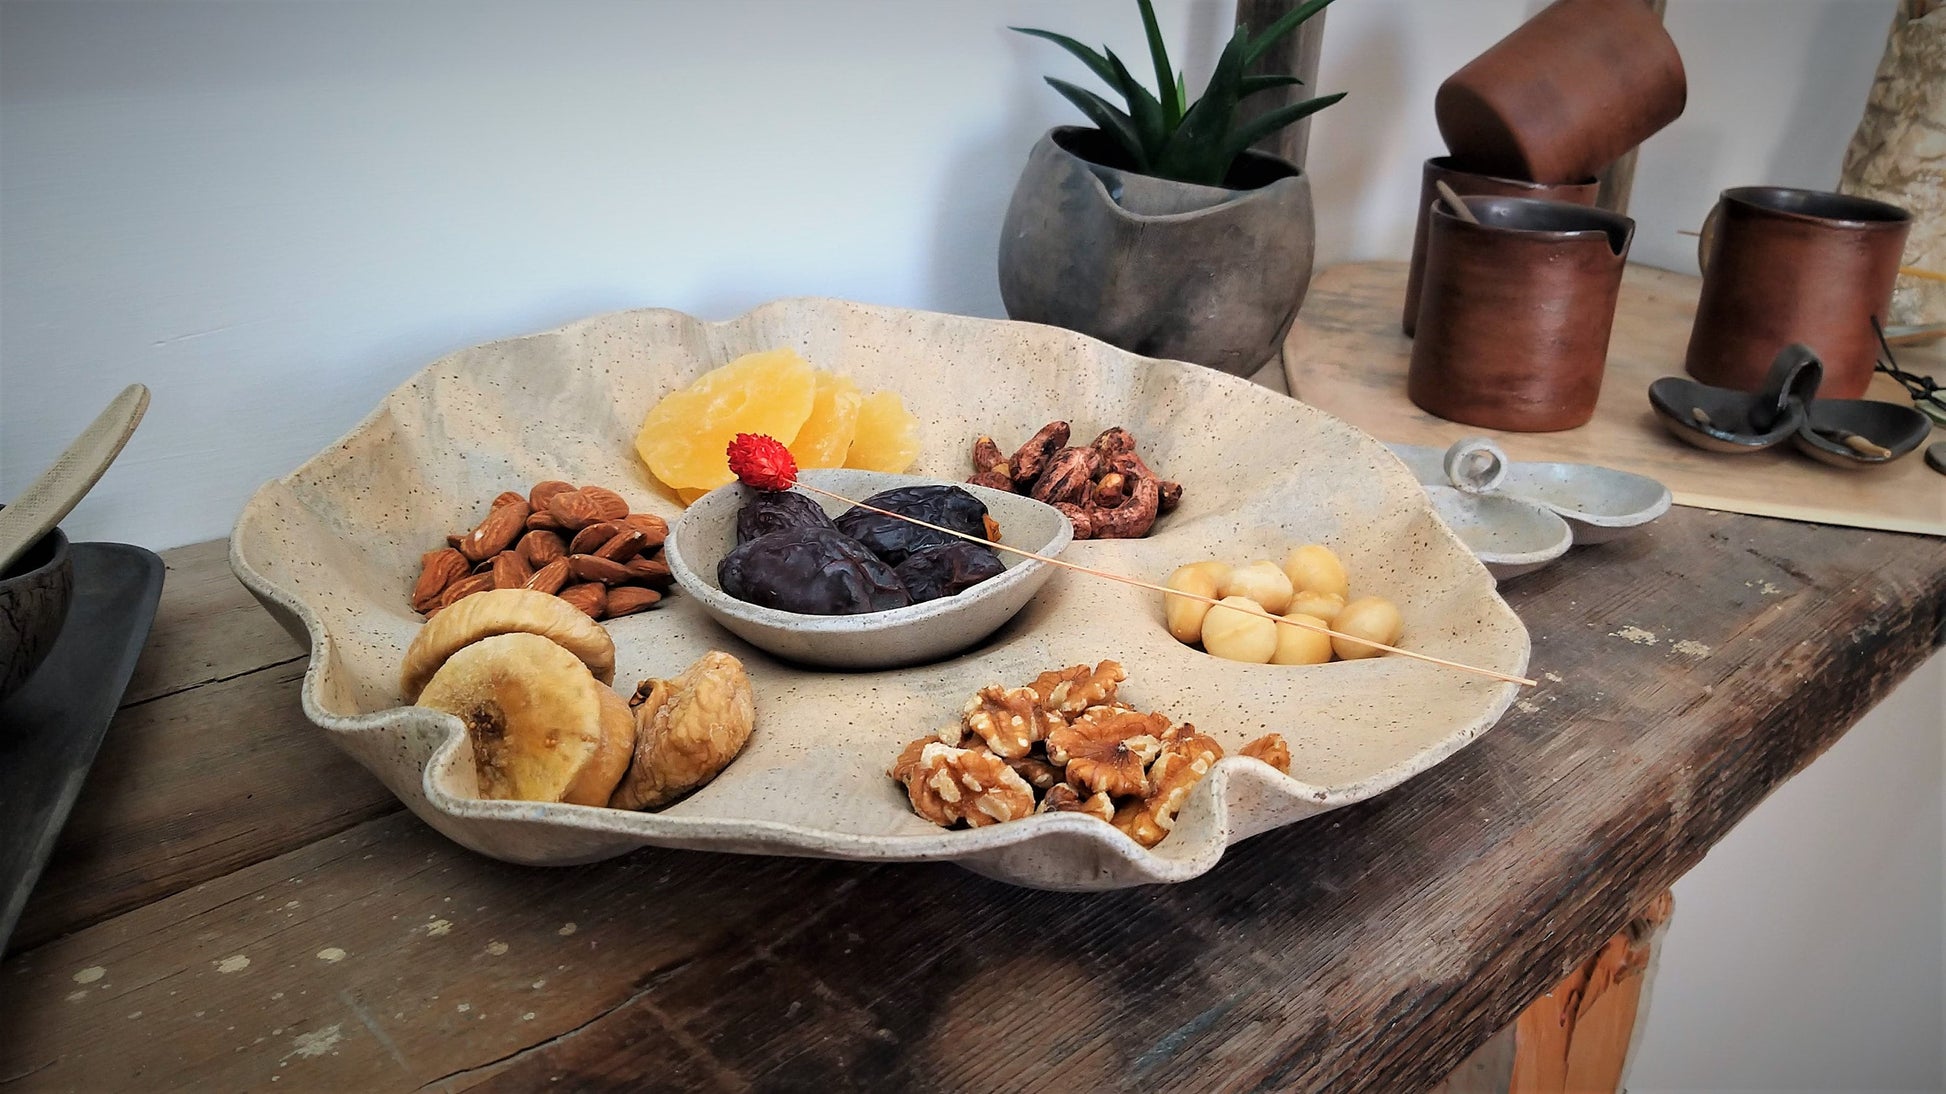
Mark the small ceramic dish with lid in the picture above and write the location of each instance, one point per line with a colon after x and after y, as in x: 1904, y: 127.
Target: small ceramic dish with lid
x: 911, y: 635
x: 1856, y: 433
x: 1721, y: 419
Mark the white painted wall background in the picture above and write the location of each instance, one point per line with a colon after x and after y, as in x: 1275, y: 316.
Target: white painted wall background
x: 274, y: 212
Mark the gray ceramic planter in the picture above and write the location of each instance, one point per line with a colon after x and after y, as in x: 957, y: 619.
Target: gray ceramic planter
x: 1162, y: 269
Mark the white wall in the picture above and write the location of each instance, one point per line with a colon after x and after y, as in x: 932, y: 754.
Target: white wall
x: 273, y: 212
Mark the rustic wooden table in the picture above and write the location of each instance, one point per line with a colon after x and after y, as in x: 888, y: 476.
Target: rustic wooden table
x: 236, y: 905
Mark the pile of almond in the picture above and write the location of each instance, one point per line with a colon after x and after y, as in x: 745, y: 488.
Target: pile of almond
x: 579, y: 543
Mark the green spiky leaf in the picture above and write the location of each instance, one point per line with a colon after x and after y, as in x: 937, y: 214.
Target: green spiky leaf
x: 1291, y: 21
x: 1096, y: 62
x: 1250, y: 85
x: 1194, y: 151
x: 1264, y: 125
x: 1170, y: 90
x: 1106, y: 118
x: 1144, y: 110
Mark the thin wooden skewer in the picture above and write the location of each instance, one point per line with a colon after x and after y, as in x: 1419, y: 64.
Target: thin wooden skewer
x: 1166, y: 591
x: 1916, y: 271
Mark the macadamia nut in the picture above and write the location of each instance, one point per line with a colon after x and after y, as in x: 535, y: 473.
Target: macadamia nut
x: 1185, y: 616
x: 1301, y: 645
x: 1371, y: 617
x: 1239, y: 629
x: 1315, y: 568
x: 1262, y: 582
x: 1325, y: 606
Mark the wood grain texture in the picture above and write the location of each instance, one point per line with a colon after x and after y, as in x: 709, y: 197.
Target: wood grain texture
x: 209, y: 766
x: 1345, y: 355
x: 208, y: 627
x: 1687, y: 671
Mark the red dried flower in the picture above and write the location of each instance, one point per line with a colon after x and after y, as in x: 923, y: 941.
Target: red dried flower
x: 761, y: 462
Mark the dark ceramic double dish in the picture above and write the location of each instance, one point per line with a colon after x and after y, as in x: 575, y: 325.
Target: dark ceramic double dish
x: 1848, y: 433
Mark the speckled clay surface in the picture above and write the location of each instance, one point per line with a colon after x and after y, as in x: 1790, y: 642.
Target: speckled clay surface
x: 910, y: 635
x: 332, y: 549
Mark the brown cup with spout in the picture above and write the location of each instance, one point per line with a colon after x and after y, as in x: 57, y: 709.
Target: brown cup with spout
x: 1515, y: 313
x: 1782, y: 266
x: 1446, y: 169
x: 1566, y: 94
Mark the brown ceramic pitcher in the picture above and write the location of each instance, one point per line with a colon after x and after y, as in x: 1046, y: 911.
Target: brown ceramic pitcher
x: 1444, y: 169
x: 1515, y: 312
x: 1783, y: 266
x: 1566, y: 93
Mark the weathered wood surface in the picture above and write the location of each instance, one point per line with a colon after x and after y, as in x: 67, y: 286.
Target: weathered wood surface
x: 209, y: 766
x: 1685, y: 672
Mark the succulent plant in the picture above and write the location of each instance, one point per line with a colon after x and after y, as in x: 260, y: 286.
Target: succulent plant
x: 1163, y: 133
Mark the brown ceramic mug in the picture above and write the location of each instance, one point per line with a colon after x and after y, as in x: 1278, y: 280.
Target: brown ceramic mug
x: 1515, y: 312
x: 1566, y: 93
x: 1445, y: 169
x: 1783, y: 266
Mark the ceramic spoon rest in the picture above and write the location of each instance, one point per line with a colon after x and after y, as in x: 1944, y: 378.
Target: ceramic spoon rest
x: 1516, y: 517
x: 1722, y: 419
x: 1848, y: 433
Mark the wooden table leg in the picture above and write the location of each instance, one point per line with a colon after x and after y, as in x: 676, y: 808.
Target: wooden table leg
x: 1577, y: 1036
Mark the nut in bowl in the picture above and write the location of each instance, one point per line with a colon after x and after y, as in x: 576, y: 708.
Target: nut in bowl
x: 908, y: 635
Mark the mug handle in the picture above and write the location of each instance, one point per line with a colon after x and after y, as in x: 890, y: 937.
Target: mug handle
x: 1706, y: 237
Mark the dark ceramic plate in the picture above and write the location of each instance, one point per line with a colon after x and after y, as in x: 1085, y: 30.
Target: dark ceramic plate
x: 51, y: 727
x: 1733, y: 416
x: 1894, y: 428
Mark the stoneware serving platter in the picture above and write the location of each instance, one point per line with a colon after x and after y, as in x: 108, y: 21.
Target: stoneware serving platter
x: 333, y: 547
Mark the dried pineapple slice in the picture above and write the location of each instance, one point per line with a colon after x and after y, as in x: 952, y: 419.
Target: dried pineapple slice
x: 888, y: 435
x: 827, y: 434
x: 541, y: 726
x: 684, y: 436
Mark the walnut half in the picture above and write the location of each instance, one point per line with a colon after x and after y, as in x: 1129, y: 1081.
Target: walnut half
x: 1106, y: 749
x: 948, y: 785
x: 1009, y: 720
x: 1185, y: 758
x: 1271, y: 749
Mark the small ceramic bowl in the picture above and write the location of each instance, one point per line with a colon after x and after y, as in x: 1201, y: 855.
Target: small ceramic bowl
x: 1829, y: 423
x: 876, y: 640
x: 1599, y: 503
x: 1509, y: 536
x: 34, y: 597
